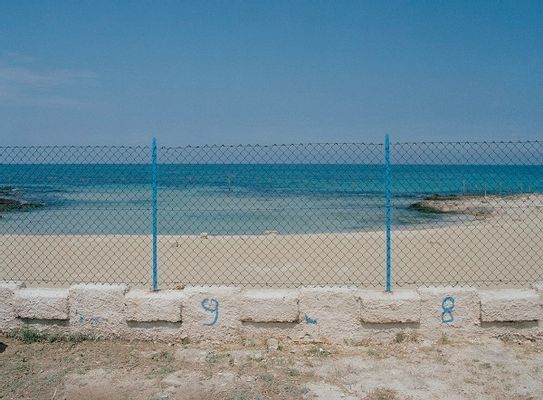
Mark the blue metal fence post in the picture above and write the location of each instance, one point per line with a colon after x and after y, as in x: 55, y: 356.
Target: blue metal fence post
x: 154, y: 212
x: 388, y: 195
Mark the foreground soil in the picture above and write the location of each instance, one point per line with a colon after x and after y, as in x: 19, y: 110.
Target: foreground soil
x: 506, y: 367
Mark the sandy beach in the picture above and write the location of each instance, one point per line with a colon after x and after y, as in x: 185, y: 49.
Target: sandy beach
x: 501, y: 246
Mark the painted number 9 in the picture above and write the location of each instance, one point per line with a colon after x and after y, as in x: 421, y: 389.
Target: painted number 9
x: 447, y: 308
x: 212, y: 306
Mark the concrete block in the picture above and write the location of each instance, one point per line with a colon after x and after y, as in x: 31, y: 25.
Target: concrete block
x: 379, y: 307
x: 448, y: 309
x: 42, y: 303
x: 508, y: 305
x: 149, y: 306
x: 98, y: 308
x: 538, y: 287
x: 8, y: 315
x: 212, y: 313
x: 269, y: 305
x: 330, y: 313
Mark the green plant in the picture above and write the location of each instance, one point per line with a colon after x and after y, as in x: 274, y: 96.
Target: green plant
x: 486, y: 365
x: 212, y: 358
x: 382, y: 394
x: 319, y: 351
x: 31, y: 335
x: 372, y: 352
x: 444, y: 339
x: 245, y: 395
x: 163, y: 356
x: 292, y: 372
x: 267, y: 377
x: 294, y: 390
x: 79, y: 337
x: 403, y: 336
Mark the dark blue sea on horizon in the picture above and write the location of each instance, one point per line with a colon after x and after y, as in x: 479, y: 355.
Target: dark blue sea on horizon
x: 240, y: 198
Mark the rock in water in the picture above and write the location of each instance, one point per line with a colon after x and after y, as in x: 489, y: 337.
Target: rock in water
x: 5, y: 190
x: 475, y: 205
x: 17, y: 205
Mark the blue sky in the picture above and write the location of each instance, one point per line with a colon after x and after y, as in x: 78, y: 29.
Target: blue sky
x: 104, y: 72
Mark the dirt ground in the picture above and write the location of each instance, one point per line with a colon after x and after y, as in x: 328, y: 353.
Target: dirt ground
x: 505, y: 367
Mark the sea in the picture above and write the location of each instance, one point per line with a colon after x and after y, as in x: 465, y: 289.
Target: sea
x: 241, y: 199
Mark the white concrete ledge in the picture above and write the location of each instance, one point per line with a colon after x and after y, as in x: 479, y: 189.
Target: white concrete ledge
x: 99, y: 308
x: 149, y: 306
x: 269, y: 305
x: 212, y: 313
x: 508, y: 305
x: 8, y: 315
x: 538, y: 287
x: 449, y: 309
x: 42, y: 303
x: 333, y: 314
x: 379, y: 307
x: 12, y: 285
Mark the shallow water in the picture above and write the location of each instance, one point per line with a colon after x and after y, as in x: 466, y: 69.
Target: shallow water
x: 240, y: 198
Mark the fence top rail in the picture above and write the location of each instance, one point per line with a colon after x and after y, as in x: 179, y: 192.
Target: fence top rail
x: 75, y: 147
x: 256, y: 145
x: 472, y: 142
x: 272, y: 145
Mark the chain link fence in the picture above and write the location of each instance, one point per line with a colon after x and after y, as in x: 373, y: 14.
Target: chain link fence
x: 279, y: 215
x: 484, y: 205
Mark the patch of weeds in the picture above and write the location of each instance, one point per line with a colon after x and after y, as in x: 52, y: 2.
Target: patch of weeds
x: 400, y: 337
x: 245, y: 395
x: 292, y: 372
x: 470, y: 380
x: 249, y: 342
x: 502, y: 366
x: 267, y: 377
x: 357, y: 342
x: 509, y: 387
x: 163, y: 356
x: 382, y: 394
x: 403, y: 336
x: 444, y: 339
x: 27, y: 334
x: 294, y: 390
x: 505, y: 338
x: 372, y: 352
x: 56, y: 376
x: 159, y: 372
x: 213, y: 358
x: 318, y: 351
x: 79, y: 337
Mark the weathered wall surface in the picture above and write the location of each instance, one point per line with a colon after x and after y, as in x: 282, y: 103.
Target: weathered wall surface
x: 333, y: 314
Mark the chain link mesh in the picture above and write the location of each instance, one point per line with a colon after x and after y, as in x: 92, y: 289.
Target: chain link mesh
x: 278, y: 215
x: 284, y: 215
x: 483, y: 207
x: 75, y: 214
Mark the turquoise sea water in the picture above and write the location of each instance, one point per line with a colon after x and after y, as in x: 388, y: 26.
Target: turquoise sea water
x: 239, y: 198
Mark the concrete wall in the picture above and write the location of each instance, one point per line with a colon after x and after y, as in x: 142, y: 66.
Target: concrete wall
x: 333, y: 314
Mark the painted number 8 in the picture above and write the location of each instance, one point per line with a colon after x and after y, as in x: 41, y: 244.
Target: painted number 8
x: 447, y: 307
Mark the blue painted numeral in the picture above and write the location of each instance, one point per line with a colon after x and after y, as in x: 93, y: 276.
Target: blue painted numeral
x: 212, y: 306
x: 447, y: 307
